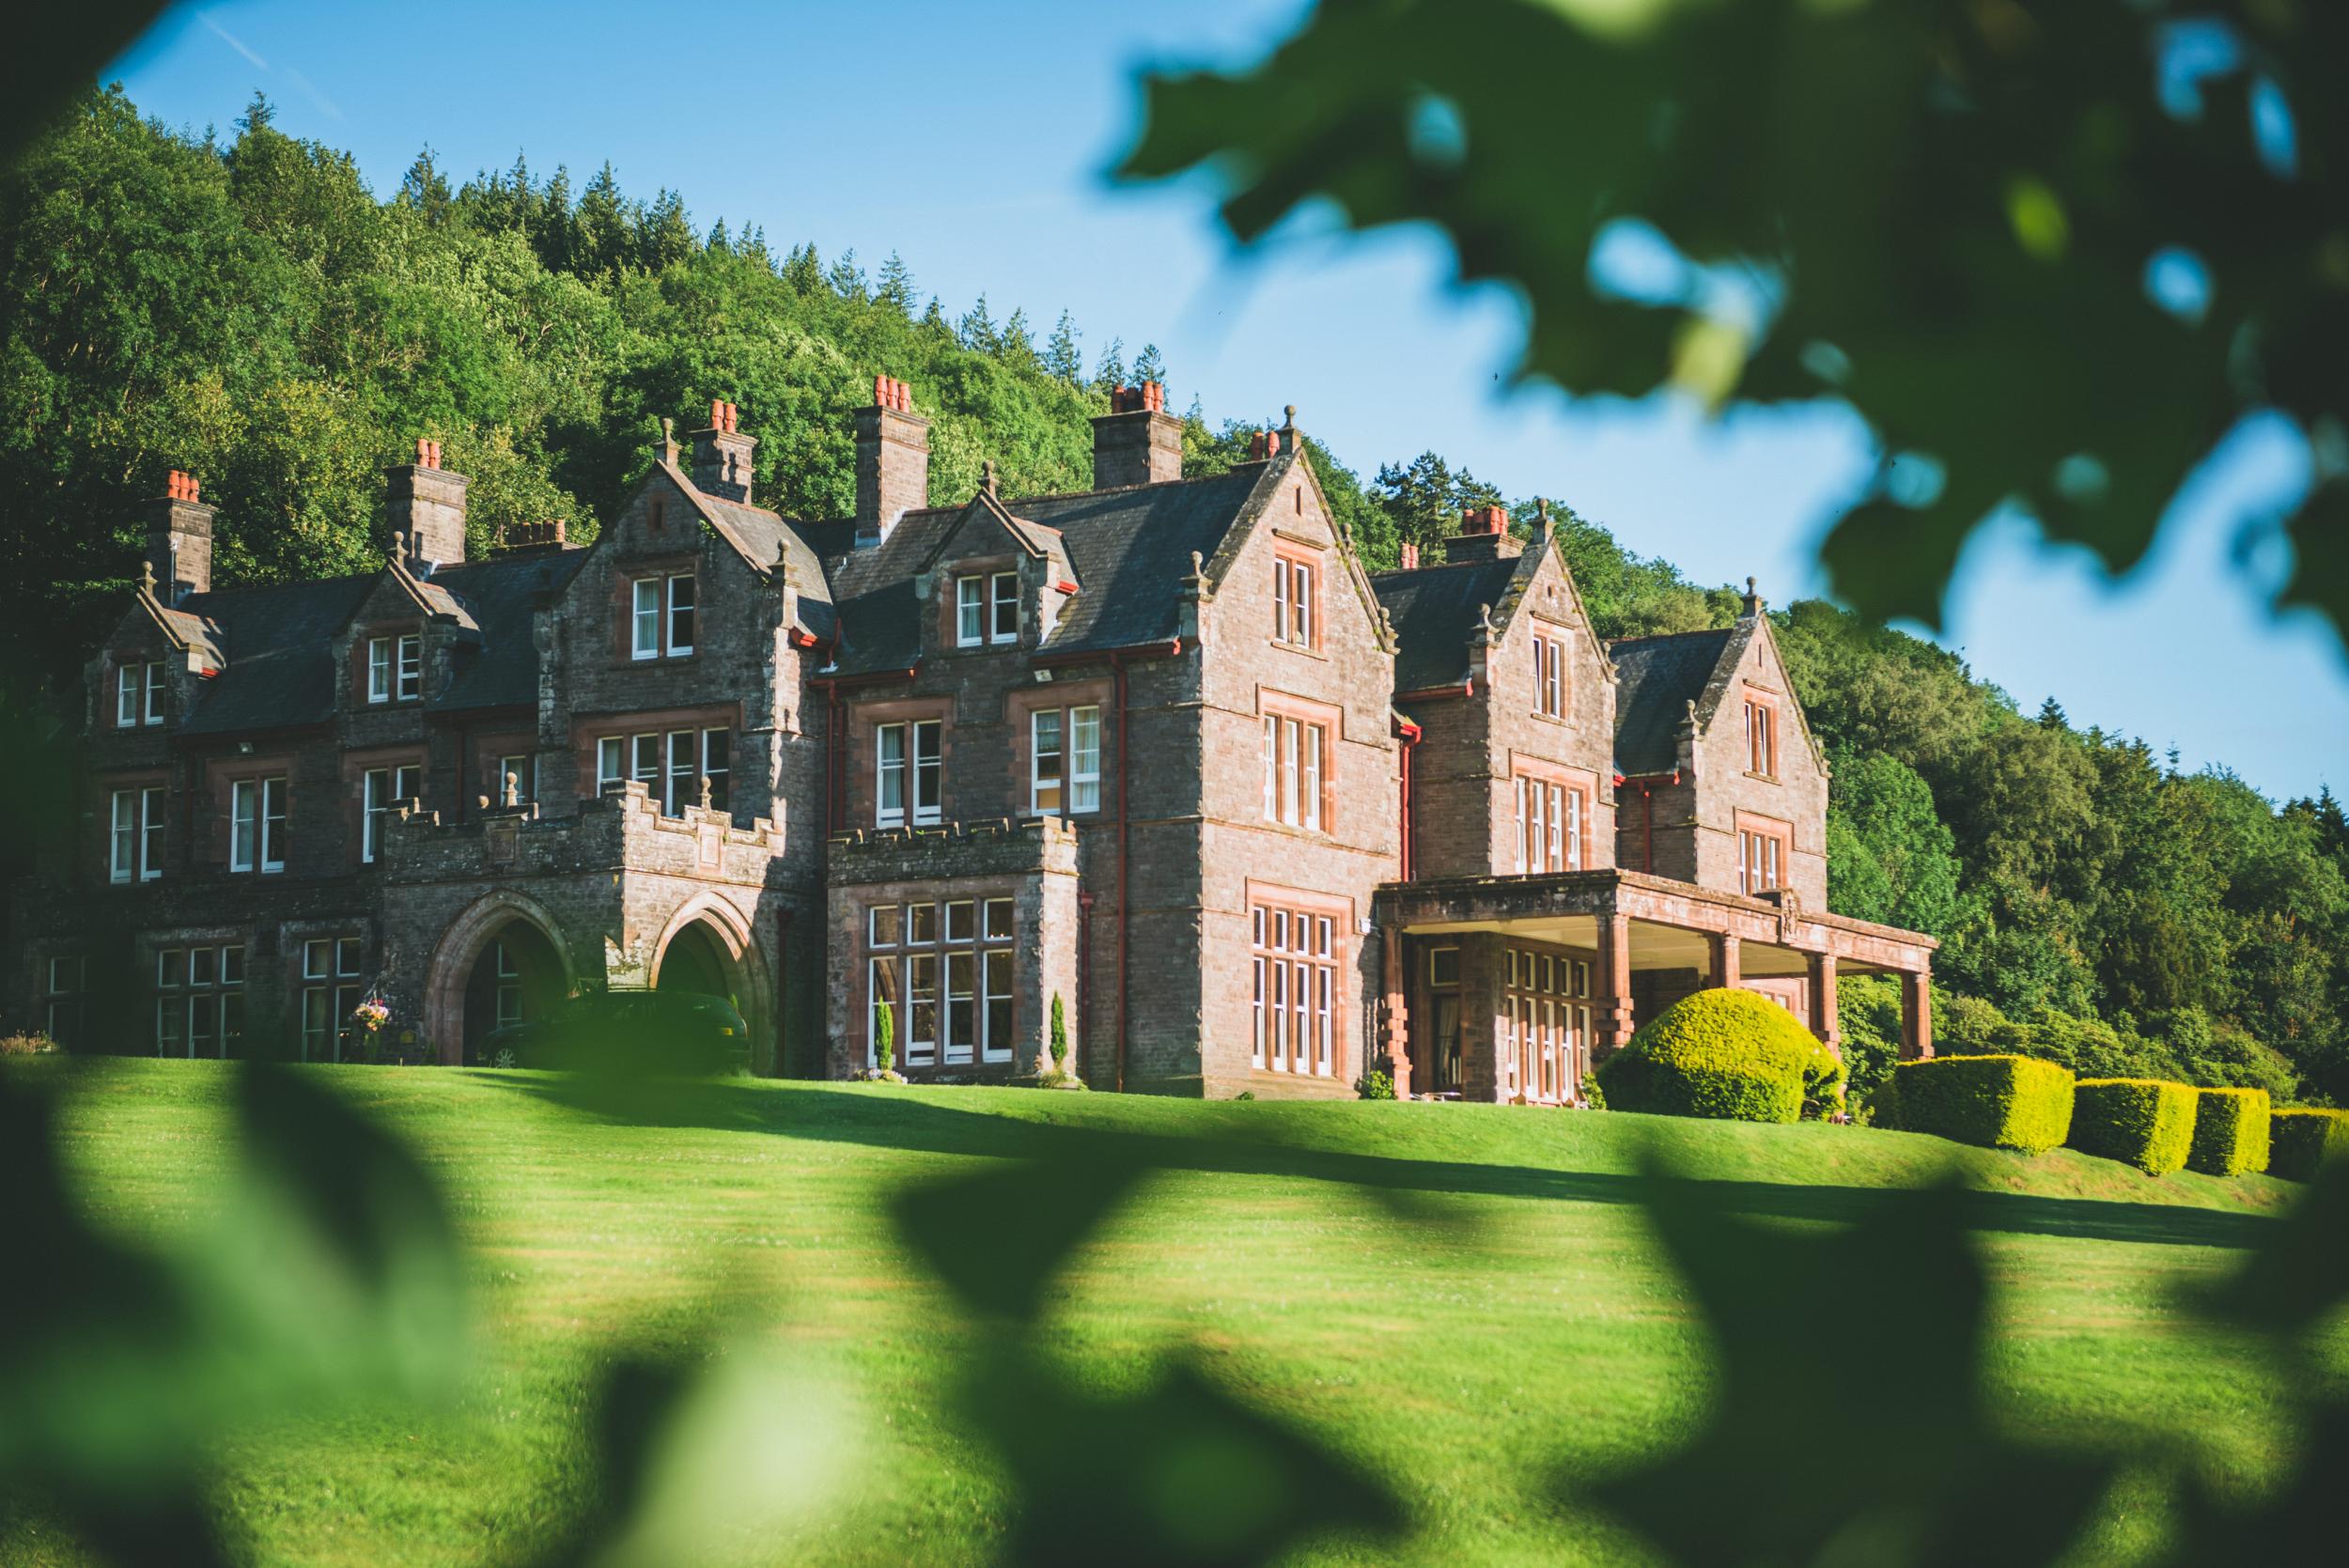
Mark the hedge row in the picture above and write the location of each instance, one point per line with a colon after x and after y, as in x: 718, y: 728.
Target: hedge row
x: 1725, y: 1054
x: 1997, y: 1102
x: 2230, y: 1132
x: 2138, y: 1121
x: 2303, y: 1140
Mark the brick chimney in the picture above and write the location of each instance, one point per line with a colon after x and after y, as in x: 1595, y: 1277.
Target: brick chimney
x: 721, y: 456
x: 1137, y: 441
x: 180, y: 539
x: 893, y: 460
x: 427, y: 511
x: 1483, y: 535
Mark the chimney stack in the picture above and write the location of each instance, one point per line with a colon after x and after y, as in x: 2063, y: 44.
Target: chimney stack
x: 1483, y: 535
x: 721, y: 456
x: 518, y: 539
x: 427, y: 511
x: 180, y: 539
x: 893, y: 460
x: 1137, y: 441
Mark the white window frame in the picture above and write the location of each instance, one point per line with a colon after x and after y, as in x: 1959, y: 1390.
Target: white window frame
x: 378, y: 668
x: 927, y: 771
x: 890, y: 775
x: 244, y: 824
x: 525, y: 767
x: 1003, y: 605
x: 122, y: 848
x: 721, y: 775
x: 272, y: 823
x: 1084, y: 759
x: 380, y: 791
x: 643, y: 618
x: 680, y: 751
x: 409, y: 651
x: 689, y: 610
x: 611, y: 761
x: 1047, y: 787
x: 154, y: 693
x: 1293, y: 589
x: 150, y: 833
x: 969, y: 612
x: 1296, y: 762
x: 126, y: 679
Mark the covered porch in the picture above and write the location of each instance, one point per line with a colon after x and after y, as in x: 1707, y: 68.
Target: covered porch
x: 1510, y: 989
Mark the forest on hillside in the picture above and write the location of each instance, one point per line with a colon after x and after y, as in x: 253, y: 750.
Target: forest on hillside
x: 247, y: 309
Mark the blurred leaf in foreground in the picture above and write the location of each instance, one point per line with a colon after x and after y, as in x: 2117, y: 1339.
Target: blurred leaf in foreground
x: 2059, y: 248
x: 1864, y: 1344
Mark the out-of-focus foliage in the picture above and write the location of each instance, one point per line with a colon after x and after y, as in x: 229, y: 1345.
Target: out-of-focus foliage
x: 2051, y: 250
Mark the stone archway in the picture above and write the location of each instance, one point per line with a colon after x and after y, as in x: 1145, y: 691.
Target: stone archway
x: 469, y: 937
x: 706, y: 946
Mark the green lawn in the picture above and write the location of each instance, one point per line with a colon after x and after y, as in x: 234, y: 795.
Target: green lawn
x: 1463, y: 1365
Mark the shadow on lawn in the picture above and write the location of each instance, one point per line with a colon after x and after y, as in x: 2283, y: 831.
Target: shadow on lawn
x: 895, y: 1123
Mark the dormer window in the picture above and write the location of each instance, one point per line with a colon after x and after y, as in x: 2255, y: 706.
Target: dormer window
x: 661, y: 616
x: 396, y: 668
x: 1292, y: 601
x: 138, y: 694
x: 986, y: 609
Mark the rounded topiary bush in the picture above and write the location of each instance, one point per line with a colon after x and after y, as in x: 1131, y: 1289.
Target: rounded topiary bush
x: 1730, y: 1055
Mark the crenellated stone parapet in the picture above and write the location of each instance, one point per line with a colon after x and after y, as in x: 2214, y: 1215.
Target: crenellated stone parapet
x: 993, y: 848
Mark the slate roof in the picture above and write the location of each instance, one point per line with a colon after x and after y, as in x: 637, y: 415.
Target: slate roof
x: 755, y: 532
x: 503, y: 671
x: 1130, y: 550
x: 1657, y: 679
x: 1435, y: 614
x: 278, y: 641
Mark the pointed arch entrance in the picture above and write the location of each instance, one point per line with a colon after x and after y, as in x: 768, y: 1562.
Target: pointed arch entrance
x: 706, y: 948
x: 501, y: 962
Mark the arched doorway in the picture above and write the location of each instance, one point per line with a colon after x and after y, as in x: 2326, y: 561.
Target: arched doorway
x: 517, y: 977
x: 694, y: 962
x: 503, y: 952
x: 706, y: 948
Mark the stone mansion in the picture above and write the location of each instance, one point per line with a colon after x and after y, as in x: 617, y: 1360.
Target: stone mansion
x: 1163, y: 752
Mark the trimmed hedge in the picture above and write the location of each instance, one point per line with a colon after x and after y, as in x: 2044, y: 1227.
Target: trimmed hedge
x: 1725, y: 1054
x: 2230, y: 1132
x: 2300, y: 1142
x: 1997, y: 1102
x: 2142, y: 1121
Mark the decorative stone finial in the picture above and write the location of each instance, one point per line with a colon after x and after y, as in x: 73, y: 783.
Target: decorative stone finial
x: 1198, y: 564
x: 513, y: 789
x: 988, y: 469
x: 146, y: 577
x: 1484, y: 621
x: 1289, y: 414
x: 705, y: 792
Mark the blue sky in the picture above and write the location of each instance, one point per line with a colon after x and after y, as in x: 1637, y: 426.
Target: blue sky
x: 971, y: 139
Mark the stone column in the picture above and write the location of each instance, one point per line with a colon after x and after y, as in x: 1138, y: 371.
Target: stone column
x: 1822, y: 1006
x: 1610, y: 988
x: 1916, y: 1015
x: 1722, y: 969
x: 1393, y: 1013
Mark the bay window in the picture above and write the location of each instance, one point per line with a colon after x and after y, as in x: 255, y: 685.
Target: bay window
x: 908, y: 953
x: 1295, y: 998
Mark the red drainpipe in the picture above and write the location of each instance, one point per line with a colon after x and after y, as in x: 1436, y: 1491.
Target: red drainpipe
x: 1117, y: 675
x: 1410, y: 732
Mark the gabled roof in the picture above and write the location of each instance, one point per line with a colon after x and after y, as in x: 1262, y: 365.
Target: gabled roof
x: 1131, y: 548
x: 1436, y: 611
x: 1656, y: 680
x: 757, y: 535
x: 1032, y: 540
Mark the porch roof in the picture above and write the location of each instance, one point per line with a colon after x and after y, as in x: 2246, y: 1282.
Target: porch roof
x: 1671, y: 922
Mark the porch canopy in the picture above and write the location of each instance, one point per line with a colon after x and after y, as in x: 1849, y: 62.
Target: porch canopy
x: 1649, y: 939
